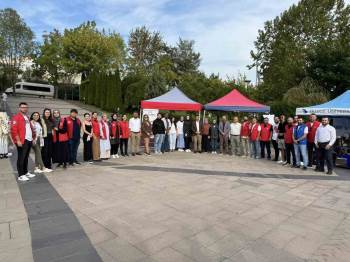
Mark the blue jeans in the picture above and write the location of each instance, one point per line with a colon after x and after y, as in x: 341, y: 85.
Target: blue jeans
x: 214, y: 144
x: 301, y: 149
x: 73, y: 150
x: 165, y: 145
x: 255, y: 149
x: 158, y: 142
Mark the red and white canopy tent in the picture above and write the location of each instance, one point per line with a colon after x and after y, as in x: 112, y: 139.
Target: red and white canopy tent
x: 174, y: 99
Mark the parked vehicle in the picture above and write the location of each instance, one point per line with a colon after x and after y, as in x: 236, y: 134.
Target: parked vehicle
x: 33, y: 89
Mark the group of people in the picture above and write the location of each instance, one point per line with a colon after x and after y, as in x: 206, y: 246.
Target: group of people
x: 56, y: 139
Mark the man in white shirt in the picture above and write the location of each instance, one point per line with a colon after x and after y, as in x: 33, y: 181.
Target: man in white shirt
x: 135, y: 133
x: 324, y: 140
x: 235, y: 137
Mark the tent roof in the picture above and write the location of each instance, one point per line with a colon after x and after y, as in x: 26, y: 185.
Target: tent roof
x: 338, y: 106
x: 235, y: 101
x: 174, y: 99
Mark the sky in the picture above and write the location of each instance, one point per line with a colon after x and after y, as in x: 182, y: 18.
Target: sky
x: 223, y: 30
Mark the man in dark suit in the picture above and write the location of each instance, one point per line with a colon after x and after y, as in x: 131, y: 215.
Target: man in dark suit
x: 197, y: 135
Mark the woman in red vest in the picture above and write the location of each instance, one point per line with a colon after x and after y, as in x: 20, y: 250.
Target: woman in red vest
x: 288, y: 140
x: 95, y: 137
x: 254, y: 138
x: 115, y: 135
x: 245, y: 129
x: 60, y: 140
x: 105, y: 143
x: 265, y: 138
x: 124, y: 138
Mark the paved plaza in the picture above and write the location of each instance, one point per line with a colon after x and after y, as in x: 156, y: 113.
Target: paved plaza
x: 175, y: 207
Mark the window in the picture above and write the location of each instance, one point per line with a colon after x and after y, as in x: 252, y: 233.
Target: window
x: 18, y: 86
x: 37, y: 88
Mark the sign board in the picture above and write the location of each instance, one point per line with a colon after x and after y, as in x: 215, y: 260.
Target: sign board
x: 323, y: 111
x: 152, y: 114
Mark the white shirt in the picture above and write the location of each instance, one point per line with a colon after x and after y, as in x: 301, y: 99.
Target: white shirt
x: 325, y: 134
x: 275, y: 131
x: 235, y: 129
x: 197, y: 126
x: 167, y: 123
x: 39, y: 133
x: 29, y: 133
x: 135, y: 125
x: 172, y: 129
x: 180, y: 127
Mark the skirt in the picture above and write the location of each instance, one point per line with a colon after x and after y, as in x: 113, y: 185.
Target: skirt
x: 105, y: 147
x: 180, y: 141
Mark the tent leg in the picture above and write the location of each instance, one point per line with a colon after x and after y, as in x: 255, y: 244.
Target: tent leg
x: 203, y: 115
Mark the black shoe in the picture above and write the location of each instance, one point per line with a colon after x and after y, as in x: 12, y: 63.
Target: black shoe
x: 71, y: 164
x: 133, y: 154
x: 65, y: 166
x: 295, y: 166
x: 76, y: 162
x: 330, y: 172
x: 7, y: 156
x: 139, y: 154
x: 319, y: 170
x: 309, y: 165
x: 304, y: 168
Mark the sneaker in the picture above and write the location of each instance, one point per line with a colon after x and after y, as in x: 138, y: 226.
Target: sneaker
x: 38, y: 171
x: 280, y: 162
x: 117, y: 156
x: 113, y: 156
x: 47, y: 170
x: 77, y: 163
x: 23, y: 178
x: 30, y: 175
x: 180, y: 150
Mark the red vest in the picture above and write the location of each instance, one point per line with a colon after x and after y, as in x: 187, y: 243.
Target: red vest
x: 124, y: 127
x: 18, y: 128
x: 312, y: 131
x: 115, y: 129
x: 62, y: 137
x: 288, y: 134
x: 95, y: 128
x: 70, y: 126
x: 245, y: 129
x: 265, y: 132
x: 254, y: 132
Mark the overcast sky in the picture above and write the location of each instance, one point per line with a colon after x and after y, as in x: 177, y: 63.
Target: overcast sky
x: 224, y: 30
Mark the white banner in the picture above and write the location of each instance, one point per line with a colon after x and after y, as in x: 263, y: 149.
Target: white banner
x: 152, y: 114
x: 323, y: 111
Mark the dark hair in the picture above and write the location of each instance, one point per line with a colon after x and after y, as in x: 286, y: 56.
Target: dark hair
x: 74, y: 111
x: 114, y: 114
x: 39, y: 119
x: 86, y: 114
x: 93, y: 113
x: 22, y: 104
x: 50, y: 117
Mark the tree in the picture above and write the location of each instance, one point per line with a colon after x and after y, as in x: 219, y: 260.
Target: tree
x: 16, y: 43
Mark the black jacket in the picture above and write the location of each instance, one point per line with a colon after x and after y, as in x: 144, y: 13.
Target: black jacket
x: 158, y: 127
x: 187, y: 127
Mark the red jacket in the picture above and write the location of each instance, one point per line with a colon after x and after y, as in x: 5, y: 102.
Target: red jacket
x: 95, y: 128
x: 70, y: 126
x: 265, y: 133
x: 254, y: 132
x: 245, y: 129
x: 62, y: 132
x: 18, y: 128
x: 124, y: 127
x: 288, y: 134
x: 115, y: 129
x: 312, y: 131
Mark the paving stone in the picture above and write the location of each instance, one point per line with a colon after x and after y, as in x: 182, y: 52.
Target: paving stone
x: 4, y: 231
x: 170, y: 255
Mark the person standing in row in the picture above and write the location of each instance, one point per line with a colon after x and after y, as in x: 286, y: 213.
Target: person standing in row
x: 180, y: 144
x: 115, y: 132
x: 56, y: 117
x: 254, y: 139
x: 235, y: 137
x: 197, y: 135
x: 146, y: 130
x: 274, y: 138
x: 95, y: 137
x: 167, y: 125
x: 224, y: 135
x: 172, y: 135
x: 206, y: 136
x: 158, y: 130
x: 4, y: 134
x: 289, y: 144
x: 188, y: 133
x: 124, y: 138
x: 245, y: 129
x: 214, y: 137
x: 22, y: 133
x: 265, y: 138
x: 300, y: 132
x: 47, y: 149
x: 87, y: 137
x: 61, y: 139
x: 280, y: 139
x: 105, y: 143
x: 73, y: 129
x: 325, y: 138
x: 312, y: 125
x: 135, y: 134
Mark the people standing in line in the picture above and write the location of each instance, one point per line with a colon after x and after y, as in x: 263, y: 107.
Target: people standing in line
x: 245, y: 129
x: 38, y: 143
x: 47, y: 150
x: 197, y: 135
x: 235, y: 137
x: 206, y: 136
x: 214, y: 137
x: 312, y: 151
x: 105, y: 143
x: 114, y: 129
x: 125, y: 134
x: 96, y: 152
x: 172, y: 134
x: 158, y: 130
x: 300, y: 132
x: 22, y: 133
x: 325, y: 138
x: 180, y: 144
x: 87, y: 137
x: 188, y: 133
x: 224, y: 135
x: 166, y: 142
x: 280, y: 139
x: 274, y: 137
x: 4, y: 134
x: 73, y: 129
x: 135, y: 133
x: 61, y: 140
x: 56, y: 118
x: 265, y: 138
x: 289, y: 143
x: 254, y: 139
x: 146, y: 131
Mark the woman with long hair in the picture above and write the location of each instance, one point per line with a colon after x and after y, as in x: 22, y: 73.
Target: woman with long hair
x: 172, y: 135
x: 146, y: 133
x: 105, y: 144
x: 124, y: 138
x: 48, y: 126
x: 60, y: 140
x: 115, y: 135
x: 87, y: 137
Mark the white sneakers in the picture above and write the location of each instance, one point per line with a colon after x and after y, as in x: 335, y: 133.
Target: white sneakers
x: 38, y: 171
x: 26, y: 177
x: 115, y: 156
x: 188, y: 150
x: 30, y: 175
x: 180, y: 150
x: 45, y: 170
